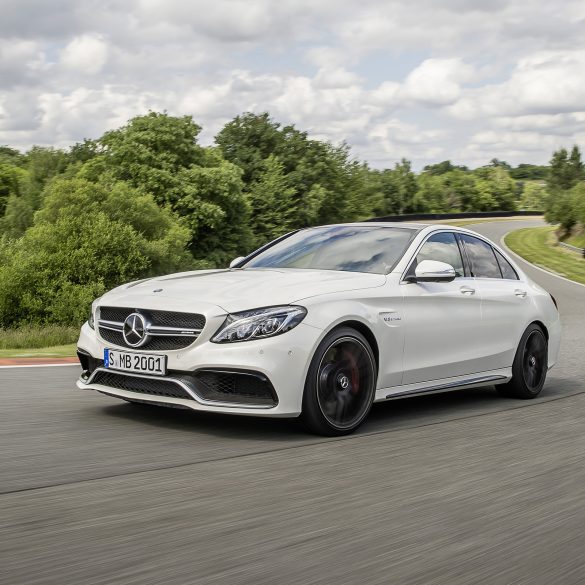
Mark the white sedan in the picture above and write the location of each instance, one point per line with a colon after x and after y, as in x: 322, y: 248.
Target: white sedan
x: 323, y: 322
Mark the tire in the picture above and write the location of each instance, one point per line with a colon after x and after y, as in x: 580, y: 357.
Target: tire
x: 340, y: 385
x: 530, y: 366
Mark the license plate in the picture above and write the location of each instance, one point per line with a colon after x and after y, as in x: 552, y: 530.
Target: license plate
x: 128, y: 361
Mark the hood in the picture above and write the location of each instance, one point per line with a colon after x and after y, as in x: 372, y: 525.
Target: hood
x: 238, y: 290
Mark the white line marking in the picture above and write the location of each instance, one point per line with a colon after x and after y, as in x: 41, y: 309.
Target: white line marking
x: 534, y: 265
x: 38, y: 365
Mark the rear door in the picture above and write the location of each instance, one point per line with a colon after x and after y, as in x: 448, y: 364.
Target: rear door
x: 505, y: 302
x: 442, y: 319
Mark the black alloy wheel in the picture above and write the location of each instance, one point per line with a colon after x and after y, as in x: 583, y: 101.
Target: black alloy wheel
x: 530, y: 365
x: 341, y: 384
x: 534, y: 360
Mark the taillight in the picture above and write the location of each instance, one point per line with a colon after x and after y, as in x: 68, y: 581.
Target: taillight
x: 554, y: 301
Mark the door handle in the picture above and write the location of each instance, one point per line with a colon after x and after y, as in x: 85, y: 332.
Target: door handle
x: 520, y: 293
x: 467, y: 290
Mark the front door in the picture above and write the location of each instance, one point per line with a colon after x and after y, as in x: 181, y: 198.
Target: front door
x: 442, y: 320
x: 505, y: 302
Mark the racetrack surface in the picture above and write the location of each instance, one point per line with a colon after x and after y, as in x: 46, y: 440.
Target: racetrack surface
x: 457, y: 488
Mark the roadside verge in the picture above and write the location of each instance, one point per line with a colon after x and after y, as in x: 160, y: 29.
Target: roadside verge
x: 539, y: 247
x: 28, y: 362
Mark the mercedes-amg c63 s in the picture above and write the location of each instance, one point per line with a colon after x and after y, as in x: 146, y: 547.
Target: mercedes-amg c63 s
x: 323, y: 322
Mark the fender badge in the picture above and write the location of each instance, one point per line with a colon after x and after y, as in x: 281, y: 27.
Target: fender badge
x: 390, y: 317
x: 157, y: 290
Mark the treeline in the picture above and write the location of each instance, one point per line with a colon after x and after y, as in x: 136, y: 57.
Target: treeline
x: 147, y: 198
x: 565, y: 203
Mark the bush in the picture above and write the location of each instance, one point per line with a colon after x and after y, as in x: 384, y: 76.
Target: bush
x: 86, y: 239
x: 32, y: 336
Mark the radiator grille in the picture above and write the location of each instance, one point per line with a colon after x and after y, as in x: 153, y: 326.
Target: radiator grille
x: 161, y: 318
x: 186, y: 321
x: 161, y: 343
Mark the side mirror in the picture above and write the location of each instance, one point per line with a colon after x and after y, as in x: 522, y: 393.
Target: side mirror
x: 236, y: 261
x: 433, y: 271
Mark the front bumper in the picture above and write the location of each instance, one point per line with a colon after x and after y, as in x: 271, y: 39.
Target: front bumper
x: 281, y: 362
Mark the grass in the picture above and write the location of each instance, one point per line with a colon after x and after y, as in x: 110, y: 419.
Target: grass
x: 31, y: 337
x: 56, y: 351
x: 578, y: 240
x: 539, y: 246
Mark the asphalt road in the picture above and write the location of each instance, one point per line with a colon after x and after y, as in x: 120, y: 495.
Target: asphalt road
x: 461, y: 488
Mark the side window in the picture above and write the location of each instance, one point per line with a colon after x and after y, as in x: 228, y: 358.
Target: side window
x: 481, y: 257
x: 506, y: 268
x: 442, y: 247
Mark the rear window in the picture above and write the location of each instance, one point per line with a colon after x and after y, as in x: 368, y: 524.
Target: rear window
x: 508, y: 271
x: 481, y: 257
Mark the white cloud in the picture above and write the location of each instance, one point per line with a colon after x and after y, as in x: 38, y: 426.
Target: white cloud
x: 423, y: 79
x: 551, y: 124
x: 544, y: 83
x: 436, y: 82
x: 86, y: 54
x: 21, y: 61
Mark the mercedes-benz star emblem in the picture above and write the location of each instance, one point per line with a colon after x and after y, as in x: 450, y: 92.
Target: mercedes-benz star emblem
x: 134, y: 331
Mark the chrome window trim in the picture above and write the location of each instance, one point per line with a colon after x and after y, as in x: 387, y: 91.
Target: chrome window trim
x: 510, y: 264
x: 414, y: 255
x: 519, y: 273
x: 493, y: 250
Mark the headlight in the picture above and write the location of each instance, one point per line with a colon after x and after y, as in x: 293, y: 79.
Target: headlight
x: 90, y: 319
x: 259, y: 323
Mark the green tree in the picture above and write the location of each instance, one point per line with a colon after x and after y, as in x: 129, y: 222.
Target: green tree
x: 148, y: 152
x: 83, y: 151
x: 215, y: 209
x: 496, y: 162
x: 534, y: 197
x: 496, y: 189
x: 85, y: 239
x: 323, y: 176
x: 565, y: 169
x: 249, y: 139
x: 41, y: 165
x: 159, y: 154
x: 529, y: 172
x: 456, y: 191
x: 271, y: 202
x: 443, y: 167
x: 11, y: 178
x: 578, y: 203
x: 399, y: 188
x: 11, y: 156
x: 365, y: 197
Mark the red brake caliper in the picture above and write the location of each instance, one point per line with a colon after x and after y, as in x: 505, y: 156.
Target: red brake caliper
x: 355, y: 372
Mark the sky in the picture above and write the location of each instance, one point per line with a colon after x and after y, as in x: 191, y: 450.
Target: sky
x: 427, y: 80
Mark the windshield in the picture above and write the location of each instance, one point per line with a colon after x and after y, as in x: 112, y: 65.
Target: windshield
x: 349, y: 248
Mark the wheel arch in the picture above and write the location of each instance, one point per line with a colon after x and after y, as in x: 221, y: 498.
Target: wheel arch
x: 367, y: 333
x: 542, y: 326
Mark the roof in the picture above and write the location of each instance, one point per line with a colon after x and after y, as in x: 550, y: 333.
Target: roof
x: 394, y: 224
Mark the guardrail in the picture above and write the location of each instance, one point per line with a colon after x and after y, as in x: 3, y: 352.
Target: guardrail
x: 573, y: 248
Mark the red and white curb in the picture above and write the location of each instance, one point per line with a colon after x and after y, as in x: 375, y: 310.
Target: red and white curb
x: 38, y: 362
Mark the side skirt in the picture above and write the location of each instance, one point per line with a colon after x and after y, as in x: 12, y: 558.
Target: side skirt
x: 446, y: 386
